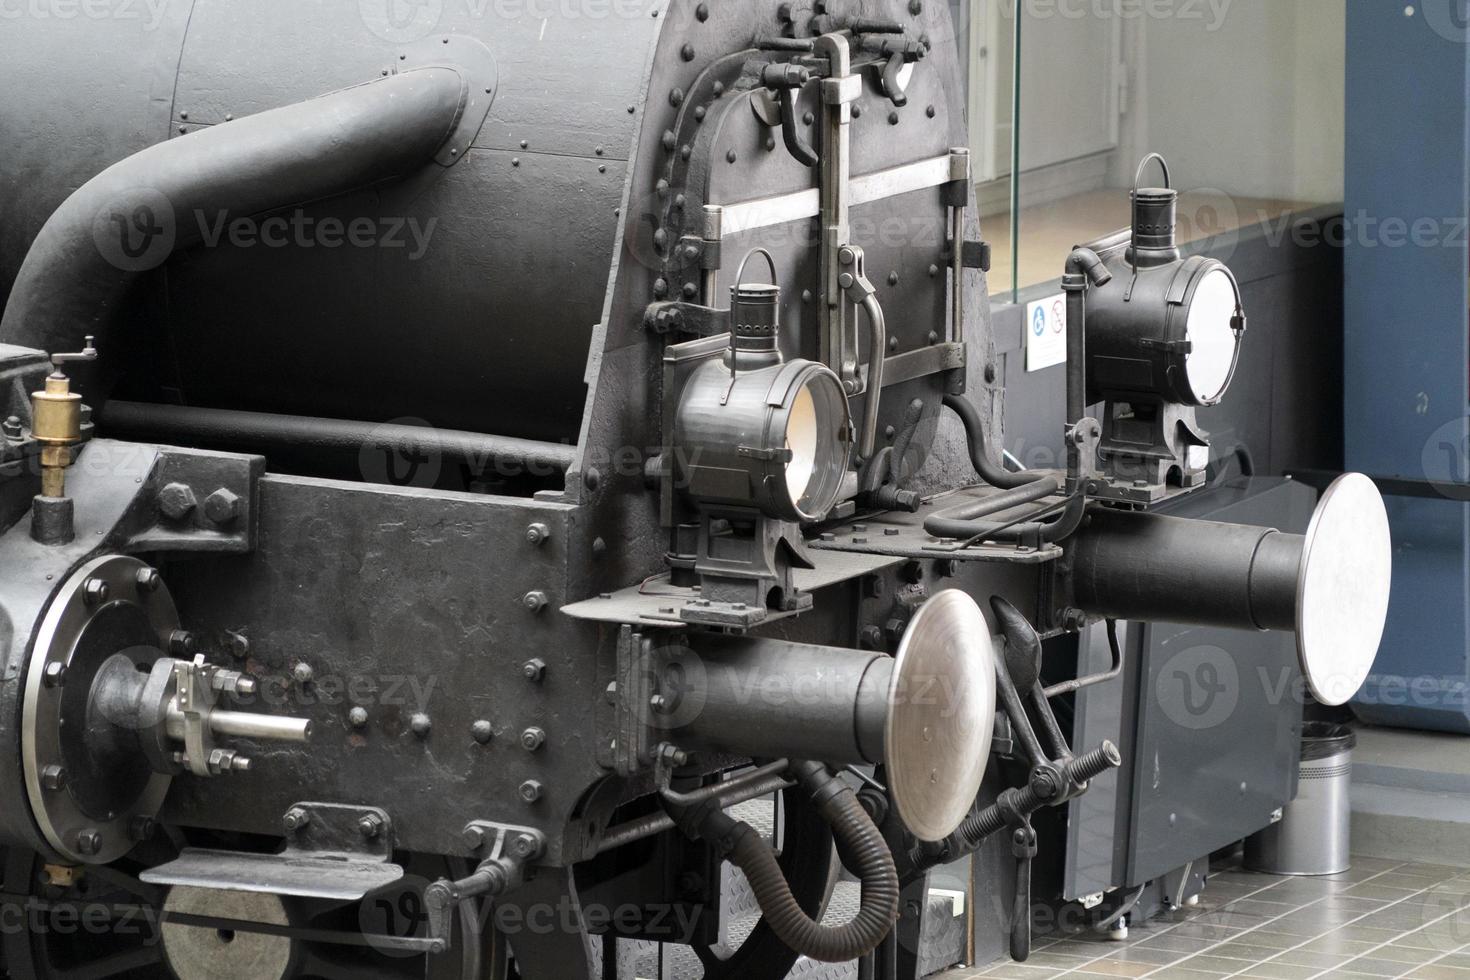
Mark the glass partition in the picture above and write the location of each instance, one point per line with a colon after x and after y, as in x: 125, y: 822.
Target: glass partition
x: 1244, y: 98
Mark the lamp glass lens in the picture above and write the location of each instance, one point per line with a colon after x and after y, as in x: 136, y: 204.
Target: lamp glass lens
x: 1211, y: 337
x: 801, y: 440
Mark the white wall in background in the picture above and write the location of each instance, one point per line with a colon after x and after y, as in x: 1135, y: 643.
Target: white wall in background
x: 1253, y: 107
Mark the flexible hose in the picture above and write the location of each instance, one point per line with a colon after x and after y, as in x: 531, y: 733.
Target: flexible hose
x: 862, y: 843
x: 991, y: 473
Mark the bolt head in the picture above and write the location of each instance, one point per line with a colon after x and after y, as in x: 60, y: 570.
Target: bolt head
x: 370, y: 825
x: 358, y: 716
x: 534, y: 600
x: 532, y: 739
x: 148, y: 580
x: 55, y: 674
x: 11, y: 427
x: 537, y: 533
x: 534, y: 669
x: 482, y: 731
x: 181, y: 643
x: 53, y: 777
x: 530, y: 790
x: 142, y: 827
x: 238, y: 644
x: 295, y: 819
x: 524, y: 847
x: 303, y: 673
x: 473, y: 837
x: 89, y: 842
x: 96, y: 591
x: 421, y: 724
x: 176, y: 501
x: 222, y: 506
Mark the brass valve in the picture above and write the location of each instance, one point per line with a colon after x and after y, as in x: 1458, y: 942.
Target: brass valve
x: 56, y: 421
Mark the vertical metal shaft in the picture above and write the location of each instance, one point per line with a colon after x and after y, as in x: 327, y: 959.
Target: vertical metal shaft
x: 714, y: 233
x: 839, y: 350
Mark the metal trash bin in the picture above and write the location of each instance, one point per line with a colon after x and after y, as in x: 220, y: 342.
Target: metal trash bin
x: 1311, y: 838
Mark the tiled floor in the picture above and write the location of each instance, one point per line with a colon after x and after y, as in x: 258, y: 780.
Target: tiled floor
x: 1381, y: 919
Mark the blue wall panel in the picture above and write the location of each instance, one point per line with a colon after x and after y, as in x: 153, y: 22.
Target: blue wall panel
x: 1405, y: 380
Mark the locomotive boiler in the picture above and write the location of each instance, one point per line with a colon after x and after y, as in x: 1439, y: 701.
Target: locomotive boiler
x: 486, y: 484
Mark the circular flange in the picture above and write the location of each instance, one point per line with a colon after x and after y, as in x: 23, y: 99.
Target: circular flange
x: 99, y: 611
x: 203, y: 953
x: 1342, y: 588
x: 941, y: 715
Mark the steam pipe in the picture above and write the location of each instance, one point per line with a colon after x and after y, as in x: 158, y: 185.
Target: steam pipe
x: 962, y: 521
x: 227, y: 428
x: 71, y: 284
x: 991, y: 473
x: 1084, y: 266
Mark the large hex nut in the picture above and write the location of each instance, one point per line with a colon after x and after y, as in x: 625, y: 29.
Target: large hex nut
x: 222, y: 506
x: 176, y: 501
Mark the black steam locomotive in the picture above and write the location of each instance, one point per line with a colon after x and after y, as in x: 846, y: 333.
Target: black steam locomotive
x: 537, y: 490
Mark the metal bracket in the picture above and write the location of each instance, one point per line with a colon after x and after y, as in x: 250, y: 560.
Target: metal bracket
x: 338, y: 831
x: 333, y: 851
x: 507, y: 849
x: 197, y: 686
x: 1082, y: 443
x: 975, y: 255
x: 687, y: 318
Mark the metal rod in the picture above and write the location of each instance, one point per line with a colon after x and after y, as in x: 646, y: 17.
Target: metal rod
x: 245, y: 724
x: 1092, y: 680
x: 741, y: 789
x: 957, y: 287
x: 259, y: 430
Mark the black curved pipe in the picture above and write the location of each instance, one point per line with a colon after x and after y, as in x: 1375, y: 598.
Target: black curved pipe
x: 215, y: 428
x: 1065, y: 525
x: 163, y: 197
x: 963, y: 522
x: 991, y: 473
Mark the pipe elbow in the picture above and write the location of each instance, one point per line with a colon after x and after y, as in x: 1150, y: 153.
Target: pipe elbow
x: 133, y: 216
x: 1085, y: 262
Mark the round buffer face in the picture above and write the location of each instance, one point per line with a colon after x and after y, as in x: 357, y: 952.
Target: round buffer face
x: 1342, y: 588
x: 941, y: 715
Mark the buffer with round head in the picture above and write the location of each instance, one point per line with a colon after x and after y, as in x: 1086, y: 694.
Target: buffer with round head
x: 1330, y: 585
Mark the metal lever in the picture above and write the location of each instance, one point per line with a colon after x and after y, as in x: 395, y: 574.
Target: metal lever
x: 860, y: 292
x: 511, y: 849
x: 87, y: 353
x: 899, y: 53
x: 786, y: 80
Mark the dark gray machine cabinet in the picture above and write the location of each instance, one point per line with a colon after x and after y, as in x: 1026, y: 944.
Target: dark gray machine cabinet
x: 1208, y: 721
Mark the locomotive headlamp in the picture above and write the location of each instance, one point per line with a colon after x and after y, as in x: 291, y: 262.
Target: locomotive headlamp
x: 1159, y: 337
x: 1164, y: 327
x: 755, y: 430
